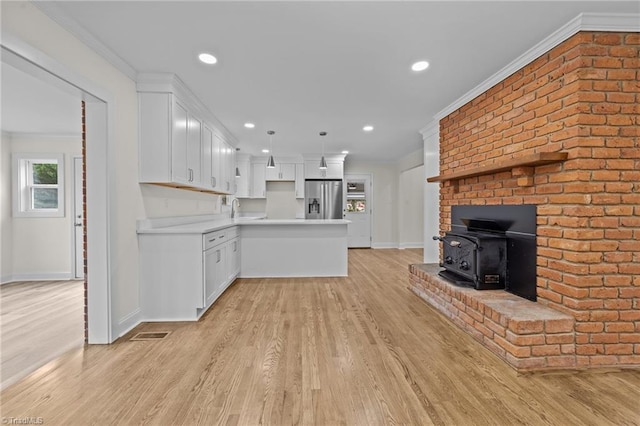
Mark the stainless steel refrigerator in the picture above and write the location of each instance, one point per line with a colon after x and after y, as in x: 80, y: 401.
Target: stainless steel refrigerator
x: 323, y: 199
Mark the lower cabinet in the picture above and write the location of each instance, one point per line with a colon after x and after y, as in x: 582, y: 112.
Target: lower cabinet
x: 181, y: 275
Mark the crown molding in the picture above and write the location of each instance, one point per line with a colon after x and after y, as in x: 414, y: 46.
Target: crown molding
x: 59, y: 15
x: 17, y: 136
x: 430, y: 129
x: 620, y: 22
x: 161, y: 82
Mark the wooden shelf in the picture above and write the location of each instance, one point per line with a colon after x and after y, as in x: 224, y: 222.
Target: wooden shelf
x: 532, y: 160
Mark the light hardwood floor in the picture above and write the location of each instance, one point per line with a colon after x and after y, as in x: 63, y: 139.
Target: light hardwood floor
x: 361, y: 350
x: 39, y: 321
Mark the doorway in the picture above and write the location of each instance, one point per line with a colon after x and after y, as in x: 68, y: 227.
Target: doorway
x: 15, y: 52
x: 358, y: 210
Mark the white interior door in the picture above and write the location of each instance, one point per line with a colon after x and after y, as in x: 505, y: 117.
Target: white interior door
x: 78, y: 219
x: 358, y: 209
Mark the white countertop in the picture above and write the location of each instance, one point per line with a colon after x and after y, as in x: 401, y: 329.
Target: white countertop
x: 215, y: 225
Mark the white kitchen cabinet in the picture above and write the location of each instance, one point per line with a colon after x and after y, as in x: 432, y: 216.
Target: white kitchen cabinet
x: 215, y: 270
x: 299, y: 187
x: 281, y: 172
x: 334, y: 170
x: 170, y: 141
x: 244, y: 181
x: 181, y: 143
x: 182, y: 274
x: 258, y: 181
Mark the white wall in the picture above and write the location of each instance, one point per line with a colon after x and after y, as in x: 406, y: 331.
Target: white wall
x: 387, y: 198
x: 281, y: 200
x: 411, y: 211
x: 6, y: 224
x: 431, y: 136
x: 41, y: 248
x: 384, y: 230
x: 128, y: 202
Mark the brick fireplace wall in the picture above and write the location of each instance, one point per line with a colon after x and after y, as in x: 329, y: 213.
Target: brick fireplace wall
x: 583, y: 98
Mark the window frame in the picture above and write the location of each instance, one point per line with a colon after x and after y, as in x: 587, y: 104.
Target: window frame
x: 23, y: 184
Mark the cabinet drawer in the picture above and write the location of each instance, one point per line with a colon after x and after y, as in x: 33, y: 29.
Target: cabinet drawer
x: 232, y: 232
x: 212, y: 239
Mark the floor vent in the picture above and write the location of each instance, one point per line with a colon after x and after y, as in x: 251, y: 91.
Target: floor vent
x: 151, y: 335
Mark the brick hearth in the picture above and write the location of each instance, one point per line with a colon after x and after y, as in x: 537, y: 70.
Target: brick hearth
x: 581, y: 98
x: 527, y: 335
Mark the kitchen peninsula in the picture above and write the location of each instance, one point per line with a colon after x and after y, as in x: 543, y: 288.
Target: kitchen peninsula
x: 187, y: 263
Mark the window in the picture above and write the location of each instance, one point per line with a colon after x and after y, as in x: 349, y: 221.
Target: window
x: 38, y: 189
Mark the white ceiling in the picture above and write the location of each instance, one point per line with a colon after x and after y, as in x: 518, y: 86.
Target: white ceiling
x: 30, y: 105
x: 303, y: 67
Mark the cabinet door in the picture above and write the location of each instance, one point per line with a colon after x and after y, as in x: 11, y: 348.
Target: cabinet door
x: 215, y: 163
x: 194, y: 151
x: 259, y: 185
x: 287, y: 171
x: 221, y: 271
x: 207, y: 157
x: 179, y: 168
x: 335, y: 170
x: 272, y: 173
x: 244, y: 182
x: 299, y: 181
x: 212, y: 263
x: 233, y: 185
x: 312, y: 170
x: 233, y: 259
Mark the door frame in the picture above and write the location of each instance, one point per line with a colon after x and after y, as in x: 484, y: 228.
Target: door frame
x: 356, y: 176
x: 98, y: 156
x: 74, y: 218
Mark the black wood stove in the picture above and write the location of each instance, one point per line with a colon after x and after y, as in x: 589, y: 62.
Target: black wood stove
x: 477, y: 257
x: 491, y: 247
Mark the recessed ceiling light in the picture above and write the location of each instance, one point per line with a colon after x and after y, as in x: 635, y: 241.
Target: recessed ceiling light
x: 367, y: 128
x: 345, y: 152
x: 420, y: 66
x: 207, y: 58
x: 265, y: 151
x: 249, y: 125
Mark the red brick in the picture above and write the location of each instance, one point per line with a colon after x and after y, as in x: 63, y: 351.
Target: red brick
x: 563, y: 361
x: 604, y: 338
x: 589, y: 327
x: 563, y: 338
x: 526, y: 327
x: 604, y: 315
x: 603, y: 360
x: 545, y: 350
x: 618, y: 349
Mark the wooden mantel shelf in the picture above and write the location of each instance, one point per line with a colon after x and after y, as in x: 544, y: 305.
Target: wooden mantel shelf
x: 532, y: 160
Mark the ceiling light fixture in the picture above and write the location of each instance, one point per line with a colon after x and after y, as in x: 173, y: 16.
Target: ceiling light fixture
x: 345, y: 152
x: 367, y: 128
x: 249, y: 125
x: 207, y: 58
x: 265, y: 151
x: 323, y: 162
x: 271, y: 164
x: 420, y: 66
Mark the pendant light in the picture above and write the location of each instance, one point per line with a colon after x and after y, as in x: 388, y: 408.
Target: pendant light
x: 271, y: 164
x: 323, y: 162
x: 237, y: 169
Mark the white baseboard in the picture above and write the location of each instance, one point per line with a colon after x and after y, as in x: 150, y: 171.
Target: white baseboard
x: 384, y: 245
x: 128, y: 323
x: 51, y: 276
x: 411, y: 245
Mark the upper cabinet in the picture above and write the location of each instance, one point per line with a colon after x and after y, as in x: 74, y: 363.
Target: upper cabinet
x: 282, y: 172
x: 334, y: 170
x: 181, y: 144
x: 243, y: 163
